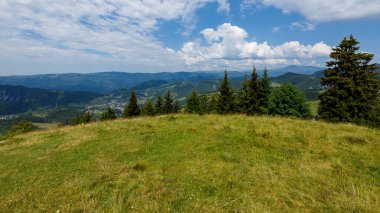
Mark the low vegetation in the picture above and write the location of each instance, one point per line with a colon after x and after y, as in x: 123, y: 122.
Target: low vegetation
x: 194, y: 163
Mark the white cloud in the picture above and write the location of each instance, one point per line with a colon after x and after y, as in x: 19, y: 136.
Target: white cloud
x: 224, y: 6
x: 304, y: 26
x: 276, y: 29
x: 230, y: 43
x: 322, y: 10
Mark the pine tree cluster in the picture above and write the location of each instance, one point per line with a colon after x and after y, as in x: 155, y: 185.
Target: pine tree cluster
x: 254, y: 98
x: 161, y: 106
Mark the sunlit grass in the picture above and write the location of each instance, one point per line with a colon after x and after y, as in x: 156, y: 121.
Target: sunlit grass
x: 193, y: 163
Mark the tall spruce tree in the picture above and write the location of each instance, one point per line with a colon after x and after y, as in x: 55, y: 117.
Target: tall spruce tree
x: 158, y: 106
x: 225, y: 102
x: 132, y: 109
x: 352, y: 88
x: 264, y: 93
x: 83, y: 118
x: 148, y: 108
x: 204, y: 105
x: 177, y: 106
x: 254, y: 87
x: 243, y: 97
x: 168, y: 105
x: 192, y: 103
x: 213, y: 104
x: 108, y: 114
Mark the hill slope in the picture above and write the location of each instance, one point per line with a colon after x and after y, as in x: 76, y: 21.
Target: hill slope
x: 193, y: 163
x: 17, y: 99
x: 305, y: 70
x: 308, y: 84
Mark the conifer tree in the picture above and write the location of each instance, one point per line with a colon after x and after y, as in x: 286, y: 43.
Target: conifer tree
x: 158, y: 106
x: 148, y: 108
x: 192, y: 103
x: 243, y: 98
x: 204, y: 106
x: 264, y: 93
x: 213, y: 104
x: 177, y: 106
x: 352, y: 88
x: 132, y: 109
x: 168, y: 103
x: 225, y: 102
x: 108, y: 114
x: 254, y: 87
x: 87, y: 118
x: 83, y: 118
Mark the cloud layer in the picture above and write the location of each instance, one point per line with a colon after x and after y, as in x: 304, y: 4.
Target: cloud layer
x: 229, y: 42
x: 121, y: 34
x: 323, y: 10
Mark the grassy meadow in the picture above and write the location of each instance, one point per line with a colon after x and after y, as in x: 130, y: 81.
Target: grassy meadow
x: 190, y: 163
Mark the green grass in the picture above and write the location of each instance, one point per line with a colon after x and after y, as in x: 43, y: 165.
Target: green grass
x: 46, y: 125
x: 192, y: 163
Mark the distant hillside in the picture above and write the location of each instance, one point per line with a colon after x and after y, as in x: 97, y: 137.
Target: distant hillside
x: 189, y: 163
x: 17, y: 99
x: 306, y: 70
x: 150, y: 83
x: 308, y: 84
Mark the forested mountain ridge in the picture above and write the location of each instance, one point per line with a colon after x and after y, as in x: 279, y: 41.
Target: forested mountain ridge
x: 103, y: 82
x: 17, y: 99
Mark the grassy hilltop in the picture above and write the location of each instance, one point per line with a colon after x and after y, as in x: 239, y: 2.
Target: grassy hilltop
x: 189, y: 163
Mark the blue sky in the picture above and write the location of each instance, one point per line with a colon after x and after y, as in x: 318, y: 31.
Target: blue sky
x: 39, y: 36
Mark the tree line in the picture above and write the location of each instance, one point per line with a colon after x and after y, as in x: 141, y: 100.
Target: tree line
x: 351, y: 94
x: 256, y: 97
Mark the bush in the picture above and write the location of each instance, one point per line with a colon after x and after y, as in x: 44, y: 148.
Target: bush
x: 288, y: 101
x: 22, y: 127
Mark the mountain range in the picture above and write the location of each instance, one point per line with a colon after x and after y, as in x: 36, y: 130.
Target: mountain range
x: 104, y: 82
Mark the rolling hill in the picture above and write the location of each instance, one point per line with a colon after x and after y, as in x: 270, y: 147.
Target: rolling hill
x: 308, y: 84
x: 304, y: 70
x: 188, y: 163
